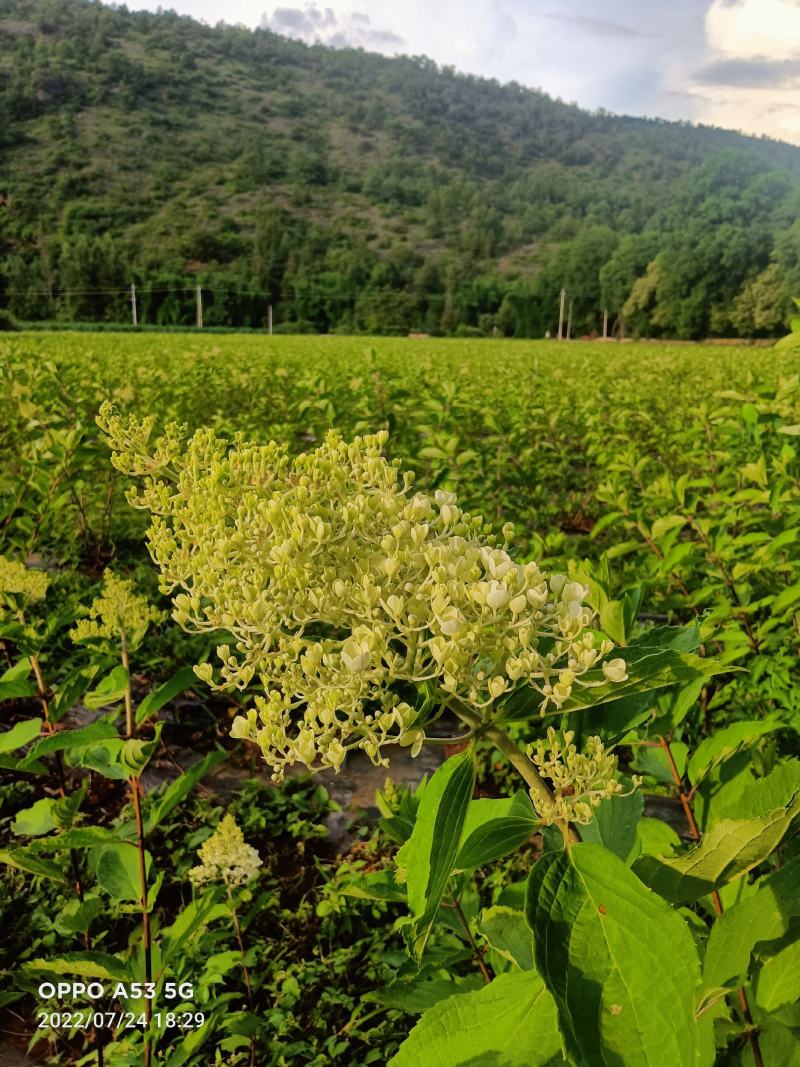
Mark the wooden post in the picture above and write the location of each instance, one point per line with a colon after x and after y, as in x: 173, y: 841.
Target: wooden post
x: 569, y: 321
x: 269, y: 319
x: 605, y: 324
x: 199, y: 308
x: 561, y: 315
x: 134, y: 317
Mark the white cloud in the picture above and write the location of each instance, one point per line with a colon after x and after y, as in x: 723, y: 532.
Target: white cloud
x: 751, y: 77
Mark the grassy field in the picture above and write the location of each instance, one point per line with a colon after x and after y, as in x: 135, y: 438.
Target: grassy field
x: 664, y: 477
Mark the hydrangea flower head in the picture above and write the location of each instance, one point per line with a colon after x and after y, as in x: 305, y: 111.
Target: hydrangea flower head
x: 344, y: 590
x: 226, y: 857
x: 117, y: 611
x: 18, y: 580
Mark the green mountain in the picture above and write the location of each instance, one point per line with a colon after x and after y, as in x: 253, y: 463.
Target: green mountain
x: 360, y: 193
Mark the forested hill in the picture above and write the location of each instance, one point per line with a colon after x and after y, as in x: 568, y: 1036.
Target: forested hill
x: 360, y: 193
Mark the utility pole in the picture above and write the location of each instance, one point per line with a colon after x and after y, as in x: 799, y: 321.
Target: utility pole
x: 134, y: 318
x: 569, y: 321
x: 199, y: 308
x: 269, y: 319
x: 561, y: 315
x: 605, y: 324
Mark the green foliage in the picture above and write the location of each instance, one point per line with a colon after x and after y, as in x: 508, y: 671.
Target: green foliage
x: 115, y: 172
x: 664, y: 481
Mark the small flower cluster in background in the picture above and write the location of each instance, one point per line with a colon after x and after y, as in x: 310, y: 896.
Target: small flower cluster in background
x: 226, y: 857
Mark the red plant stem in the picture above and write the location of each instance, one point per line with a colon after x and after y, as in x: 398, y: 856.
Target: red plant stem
x: 148, y: 963
x: 686, y: 804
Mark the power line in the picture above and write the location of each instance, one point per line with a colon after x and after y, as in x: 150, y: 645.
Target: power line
x: 124, y: 291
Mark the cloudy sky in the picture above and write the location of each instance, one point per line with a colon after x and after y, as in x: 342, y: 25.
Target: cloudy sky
x: 732, y: 63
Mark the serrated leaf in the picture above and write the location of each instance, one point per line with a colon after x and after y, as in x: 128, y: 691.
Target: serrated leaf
x: 100, y: 756
x: 656, y: 838
x: 510, y: 1022
x: 429, y: 855
x: 196, y: 916
x: 620, y: 963
x: 728, y: 850
x: 76, y: 917
x: 83, y: 965
x: 63, y: 740
x: 26, y: 860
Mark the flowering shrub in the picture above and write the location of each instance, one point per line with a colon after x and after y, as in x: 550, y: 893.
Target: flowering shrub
x: 341, y: 586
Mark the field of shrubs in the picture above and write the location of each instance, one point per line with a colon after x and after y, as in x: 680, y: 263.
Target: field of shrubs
x: 601, y: 864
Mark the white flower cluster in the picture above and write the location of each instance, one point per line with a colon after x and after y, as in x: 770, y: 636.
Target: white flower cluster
x: 17, y: 580
x: 343, y: 590
x: 117, y: 612
x: 579, y: 780
x: 226, y: 857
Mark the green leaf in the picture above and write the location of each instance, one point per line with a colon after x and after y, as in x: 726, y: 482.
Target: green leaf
x: 777, y: 981
x: 26, y: 860
x: 35, y: 820
x: 375, y: 885
x: 83, y: 965
x: 652, y: 761
x: 762, y: 917
x: 422, y: 994
x: 100, y: 756
x: 79, y: 837
x: 508, y: 933
x: 76, y: 917
x: 161, y: 805
x: 787, y: 599
x: 118, y: 872
x: 430, y: 853
x: 774, y: 790
x: 728, y: 850
x: 614, y: 823
x: 70, y: 691
x: 665, y: 524
x: 648, y: 669
x: 620, y: 963
x: 509, y: 1023
x: 14, y: 683
x: 494, y: 828
x: 64, y: 740
x: 723, y: 743
x: 657, y: 838
x: 110, y: 690
x: 679, y: 638
x: 136, y: 753
x: 196, y: 916
x: 183, y: 679
x: 20, y: 734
